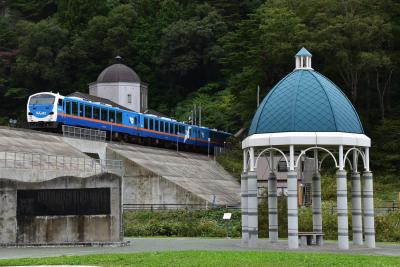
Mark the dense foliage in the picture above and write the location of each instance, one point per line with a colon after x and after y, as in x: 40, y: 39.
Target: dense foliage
x: 208, y: 53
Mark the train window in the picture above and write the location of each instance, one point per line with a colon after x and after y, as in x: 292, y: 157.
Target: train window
x: 146, y: 123
x: 75, y: 108
x: 156, y: 125
x: 119, y: 117
x: 104, y: 114
x: 96, y: 113
x: 60, y: 102
x: 174, y: 128
x: 181, y: 129
x: 88, y: 111
x: 162, y: 126
x: 135, y: 120
x: 80, y: 108
x: 111, y: 115
x: 68, y: 107
x: 151, y: 126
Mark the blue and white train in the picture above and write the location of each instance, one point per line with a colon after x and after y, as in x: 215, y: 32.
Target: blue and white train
x: 48, y: 110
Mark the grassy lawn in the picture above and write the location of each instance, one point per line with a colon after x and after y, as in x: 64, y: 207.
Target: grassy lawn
x: 214, y: 258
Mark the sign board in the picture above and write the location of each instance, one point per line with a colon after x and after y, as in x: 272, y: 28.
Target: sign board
x: 227, y: 216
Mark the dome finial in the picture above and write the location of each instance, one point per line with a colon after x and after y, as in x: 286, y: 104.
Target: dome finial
x: 118, y: 59
x: 303, y: 60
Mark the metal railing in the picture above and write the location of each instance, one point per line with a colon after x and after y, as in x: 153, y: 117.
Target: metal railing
x: 35, y: 161
x: 172, y: 206
x: 83, y: 133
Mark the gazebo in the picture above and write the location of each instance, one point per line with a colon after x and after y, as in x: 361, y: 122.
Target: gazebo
x: 306, y: 113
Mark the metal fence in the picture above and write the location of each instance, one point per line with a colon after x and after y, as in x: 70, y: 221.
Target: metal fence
x: 35, y: 161
x: 83, y: 133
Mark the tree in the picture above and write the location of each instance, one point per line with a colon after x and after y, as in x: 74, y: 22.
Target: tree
x: 189, y: 51
x: 75, y: 14
x: 36, y: 65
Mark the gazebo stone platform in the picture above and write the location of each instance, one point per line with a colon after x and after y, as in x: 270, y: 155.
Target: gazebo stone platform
x: 306, y: 113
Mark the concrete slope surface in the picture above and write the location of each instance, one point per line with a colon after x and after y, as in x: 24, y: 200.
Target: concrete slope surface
x: 18, y: 140
x: 196, y: 173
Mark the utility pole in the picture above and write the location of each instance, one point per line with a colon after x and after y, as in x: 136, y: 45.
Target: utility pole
x: 195, y: 114
x: 200, y: 115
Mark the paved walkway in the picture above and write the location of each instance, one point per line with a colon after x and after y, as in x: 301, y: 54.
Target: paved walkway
x: 175, y: 244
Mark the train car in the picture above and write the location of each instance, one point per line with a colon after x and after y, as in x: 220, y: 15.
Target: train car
x: 49, y: 111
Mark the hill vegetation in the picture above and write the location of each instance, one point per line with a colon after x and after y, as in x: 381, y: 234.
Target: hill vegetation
x: 209, y: 53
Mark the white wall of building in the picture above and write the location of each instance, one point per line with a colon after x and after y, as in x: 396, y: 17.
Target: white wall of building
x: 118, y: 93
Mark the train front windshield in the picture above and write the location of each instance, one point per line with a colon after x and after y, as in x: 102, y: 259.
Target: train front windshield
x: 43, y: 99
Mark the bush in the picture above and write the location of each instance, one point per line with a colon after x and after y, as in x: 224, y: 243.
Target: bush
x: 209, y: 223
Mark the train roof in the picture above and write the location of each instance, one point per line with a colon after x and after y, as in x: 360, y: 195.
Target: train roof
x: 96, y: 99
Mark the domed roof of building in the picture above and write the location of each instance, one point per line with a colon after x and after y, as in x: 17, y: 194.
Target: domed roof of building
x: 305, y: 101
x: 118, y: 73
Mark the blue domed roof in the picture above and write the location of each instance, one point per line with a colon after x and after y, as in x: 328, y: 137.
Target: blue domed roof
x: 305, y: 101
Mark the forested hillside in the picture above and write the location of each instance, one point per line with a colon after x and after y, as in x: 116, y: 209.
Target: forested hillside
x: 213, y: 53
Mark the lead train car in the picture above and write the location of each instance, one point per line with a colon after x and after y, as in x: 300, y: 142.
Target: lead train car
x: 48, y: 110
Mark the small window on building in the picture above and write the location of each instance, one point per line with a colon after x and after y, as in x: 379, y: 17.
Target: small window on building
x: 96, y: 113
x: 88, y: 111
x: 111, y: 115
x: 119, y: 117
x: 282, y: 167
x: 129, y: 98
x: 104, y: 116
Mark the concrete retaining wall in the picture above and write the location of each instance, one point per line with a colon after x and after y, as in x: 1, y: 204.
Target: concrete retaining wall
x: 60, y: 229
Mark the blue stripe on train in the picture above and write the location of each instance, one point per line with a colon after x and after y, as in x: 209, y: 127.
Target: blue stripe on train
x: 120, y: 129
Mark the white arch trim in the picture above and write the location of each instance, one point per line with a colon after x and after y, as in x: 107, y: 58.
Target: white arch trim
x: 315, y: 147
x: 359, y: 152
x: 274, y: 149
x: 306, y: 138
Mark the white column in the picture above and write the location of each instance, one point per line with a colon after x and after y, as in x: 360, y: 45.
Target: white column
x: 272, y: 203
x: 368, y: 197
x: 316, y: 199
x: 244, y: 200
x: 293, y: 224
x: 252, y: 206
x: 356, y: 203
x: 341, y: 185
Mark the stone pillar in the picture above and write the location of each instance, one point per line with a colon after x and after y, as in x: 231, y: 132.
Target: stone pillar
x: 343, y: 226
x: 356, y: 207
x: 244, y: 200
x: 316, y: 205
x: 368, y: 197
x: 252, y: 208
x: 293, y: 224
x: 272, y: 207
